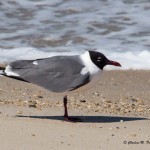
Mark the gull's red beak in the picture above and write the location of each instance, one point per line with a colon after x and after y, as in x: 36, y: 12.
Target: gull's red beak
x: 114, y: 63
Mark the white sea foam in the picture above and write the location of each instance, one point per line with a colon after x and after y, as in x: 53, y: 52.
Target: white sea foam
x: 128, y: 60
x: 131, y: 60
x: 25, y: 53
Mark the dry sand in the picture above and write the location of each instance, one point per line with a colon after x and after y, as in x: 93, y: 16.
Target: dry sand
x: 115, y: 115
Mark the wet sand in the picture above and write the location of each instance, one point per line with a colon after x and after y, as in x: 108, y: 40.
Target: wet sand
x: 115, y: 114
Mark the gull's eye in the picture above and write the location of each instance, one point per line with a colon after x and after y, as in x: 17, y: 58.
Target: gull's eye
x: 99, y: 59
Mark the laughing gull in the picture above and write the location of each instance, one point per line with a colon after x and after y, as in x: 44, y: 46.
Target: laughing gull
x: 61, y: 74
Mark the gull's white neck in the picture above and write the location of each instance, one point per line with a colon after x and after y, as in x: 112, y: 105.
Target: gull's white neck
x: 87, y: 62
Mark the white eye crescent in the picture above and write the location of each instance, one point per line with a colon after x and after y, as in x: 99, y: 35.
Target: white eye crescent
x: 99, y: 59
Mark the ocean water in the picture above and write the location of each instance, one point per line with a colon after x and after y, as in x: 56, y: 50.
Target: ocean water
x: 120, y: 29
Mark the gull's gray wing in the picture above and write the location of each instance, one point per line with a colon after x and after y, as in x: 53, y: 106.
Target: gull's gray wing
x: 57, y: 74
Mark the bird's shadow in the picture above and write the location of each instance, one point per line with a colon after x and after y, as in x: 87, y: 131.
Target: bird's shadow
x: 90, y: 119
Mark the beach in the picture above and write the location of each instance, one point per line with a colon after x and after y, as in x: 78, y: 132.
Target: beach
x: 115, y: 114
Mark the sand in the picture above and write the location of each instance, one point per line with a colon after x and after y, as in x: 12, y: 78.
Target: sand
x: 115, y: 115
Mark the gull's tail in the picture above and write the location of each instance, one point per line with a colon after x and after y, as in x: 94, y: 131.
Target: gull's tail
x: 2, y: 73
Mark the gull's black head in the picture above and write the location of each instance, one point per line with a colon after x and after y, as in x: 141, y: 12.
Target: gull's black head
x: 101, y: 61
